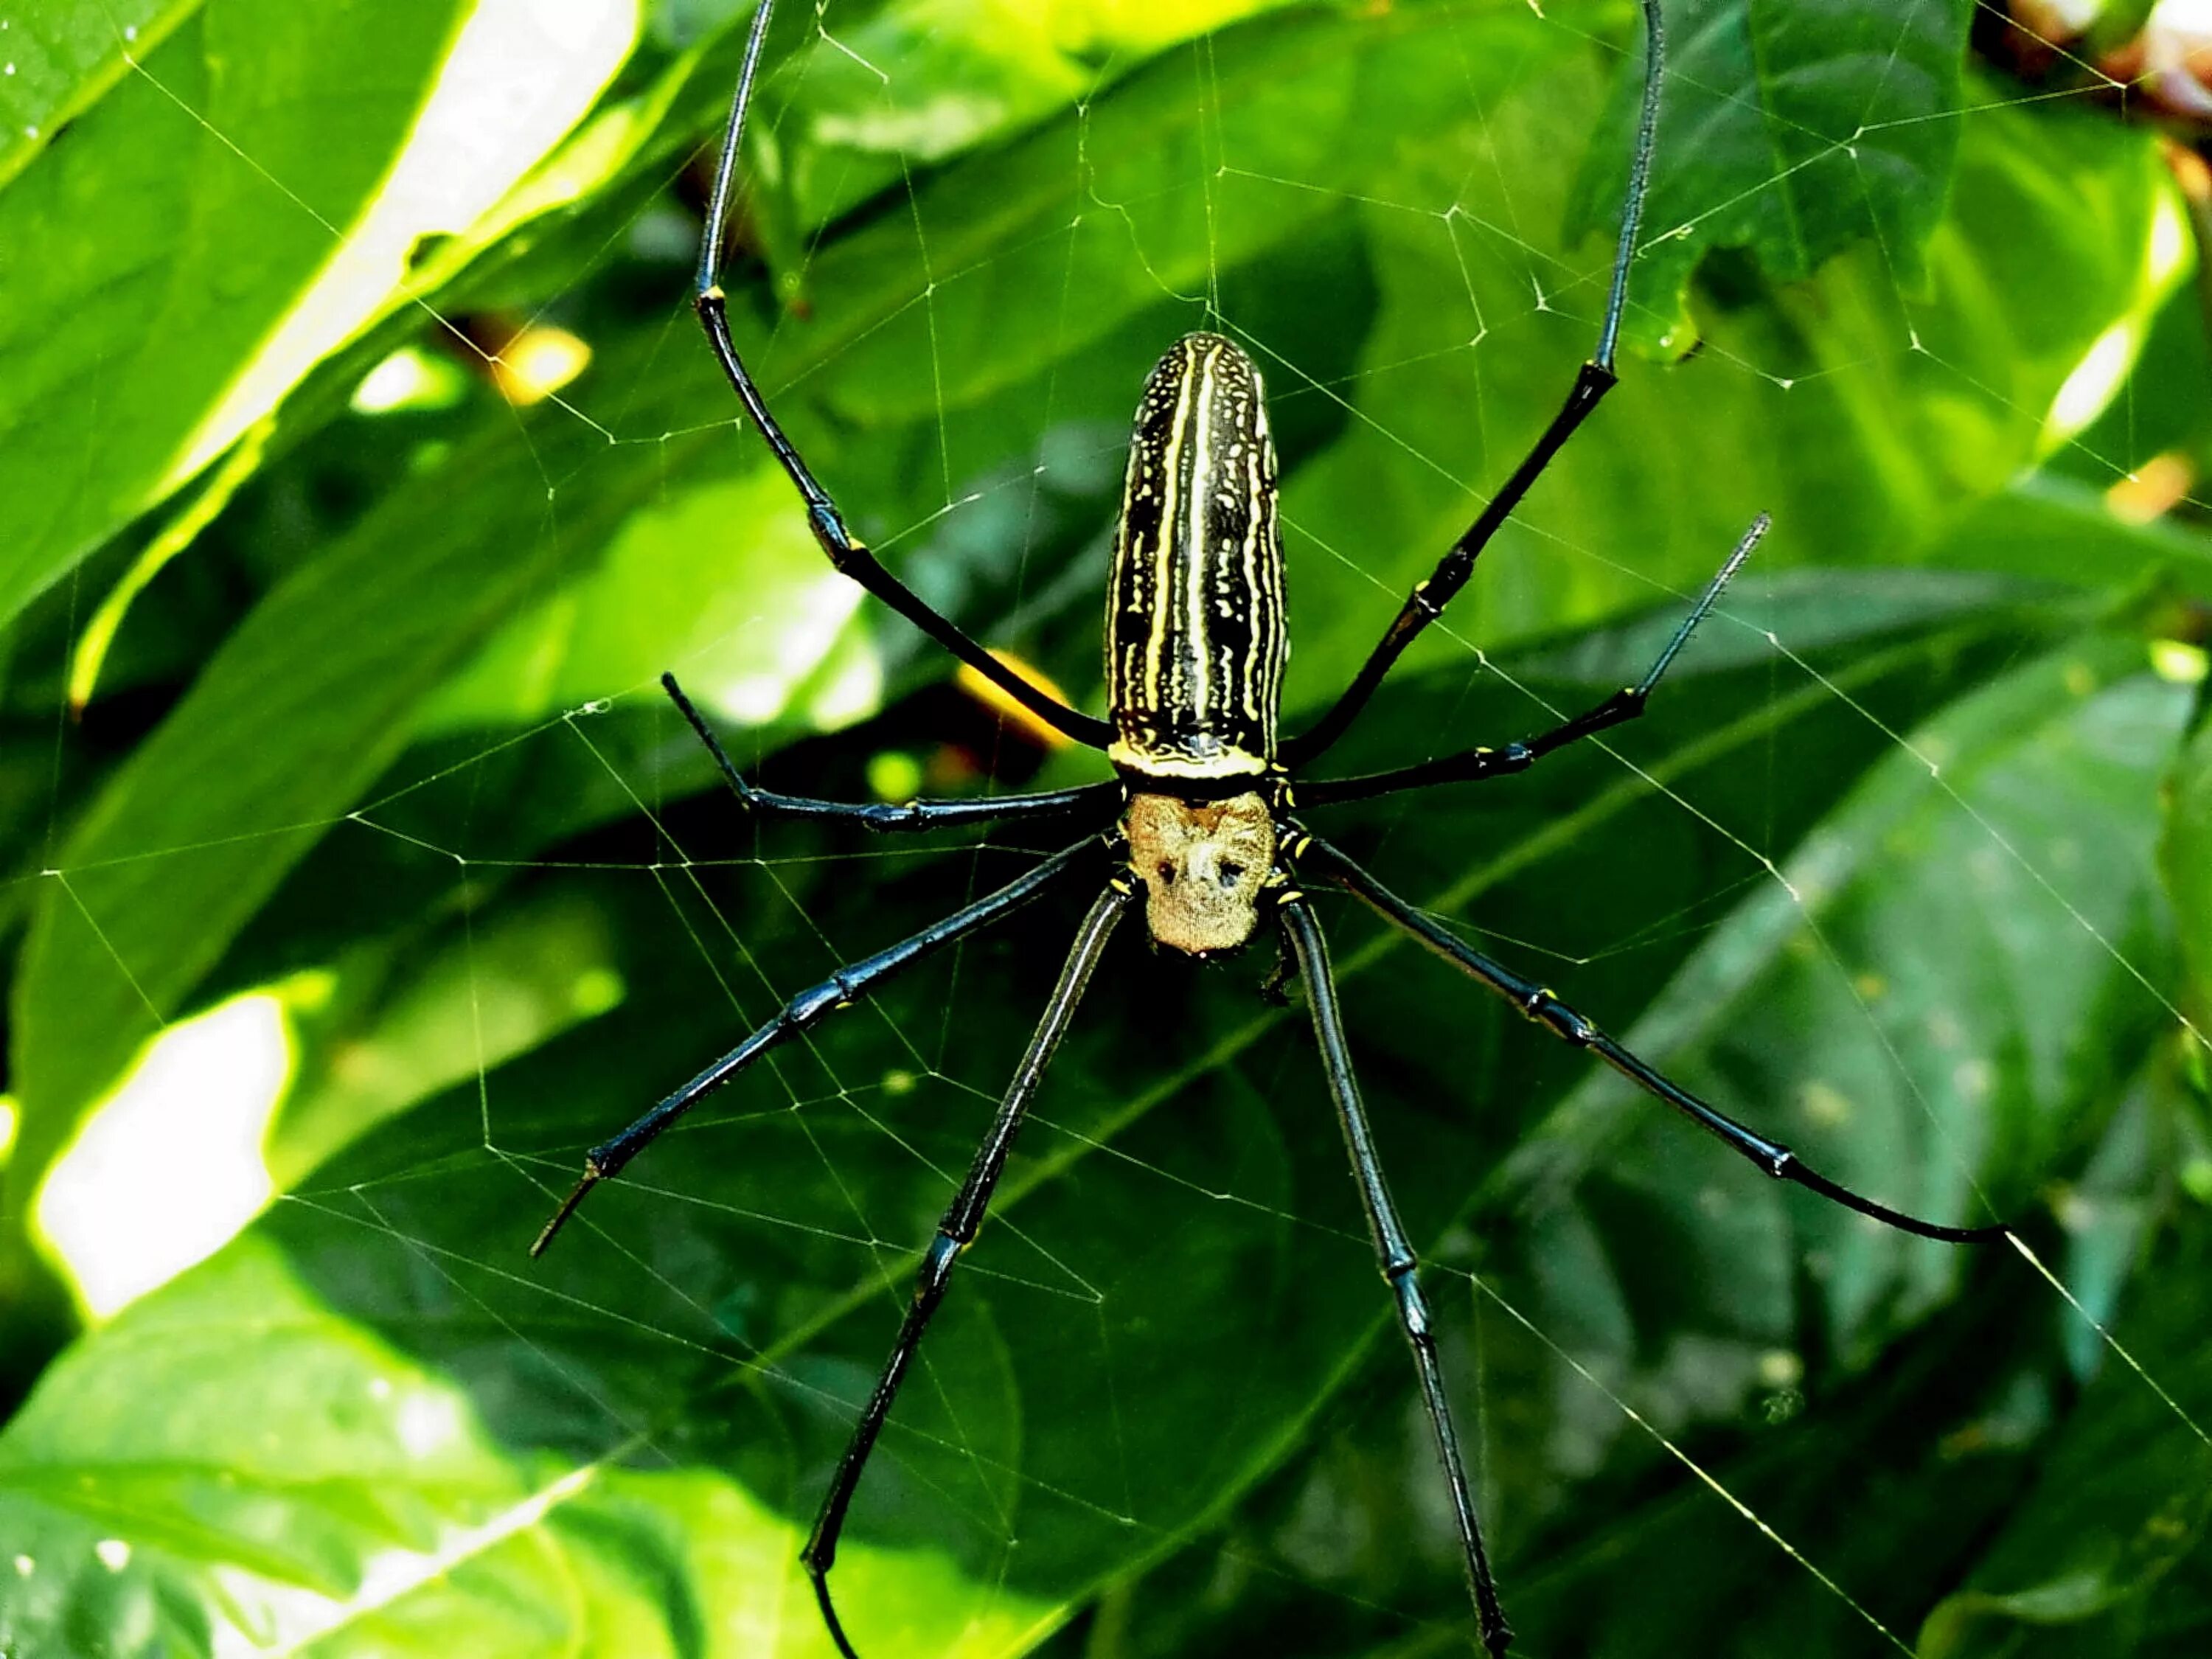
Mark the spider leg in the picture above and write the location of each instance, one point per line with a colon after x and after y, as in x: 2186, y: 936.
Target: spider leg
x: 845, y: 555
x: 1429, y: 598
x: 1472, y: 764
x: 1394, y: 1253
x: 1539, y: 1004
x: 808, y: 1008
x: 883, y: 815
x: 954, y: 1234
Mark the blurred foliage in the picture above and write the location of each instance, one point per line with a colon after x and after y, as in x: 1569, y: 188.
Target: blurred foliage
x: 1909, y: 864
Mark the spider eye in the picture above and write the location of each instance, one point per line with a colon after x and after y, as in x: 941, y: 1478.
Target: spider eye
x: 1232, y: 872
x: 1167, y: 873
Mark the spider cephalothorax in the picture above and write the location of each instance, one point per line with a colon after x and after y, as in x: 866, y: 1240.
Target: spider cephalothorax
x: 1195, y: 643
x: 1205, y: 867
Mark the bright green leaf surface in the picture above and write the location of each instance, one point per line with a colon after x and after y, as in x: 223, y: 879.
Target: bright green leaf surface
x: 687, y: 583
x: 147, y: 214
x: 59, y: 60
x: 354, y: 1504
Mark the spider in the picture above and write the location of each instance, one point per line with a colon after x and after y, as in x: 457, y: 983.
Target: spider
x: 1197, y: 818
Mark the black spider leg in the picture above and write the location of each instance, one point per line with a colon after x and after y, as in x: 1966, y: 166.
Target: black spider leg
x: 1539, y: 1004
x: 847, y: 555
x: 841, y: 990
x: 1620, y: 707
x: 885, y: 816
x: 1393, y: 1252
x: 1429, y: 598
x: 954, y: 1234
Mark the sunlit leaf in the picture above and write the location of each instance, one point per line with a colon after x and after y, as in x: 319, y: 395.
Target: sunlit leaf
x: 147, y: 211
x: 352, y: 1504
x: 60, y: 62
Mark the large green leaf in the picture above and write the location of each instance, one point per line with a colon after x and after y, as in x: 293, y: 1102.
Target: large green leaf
x: 1975, y: 1059
x: 59, y: 62
x: 1794, y: 130
x: 2107, y: 1554
x: 1867, y: 417
x: 1873, y: 1399
x: 148, y: 211
x: 352, y: 1504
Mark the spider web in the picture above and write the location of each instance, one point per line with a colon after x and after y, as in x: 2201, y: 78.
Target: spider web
x: 1170, y: 1349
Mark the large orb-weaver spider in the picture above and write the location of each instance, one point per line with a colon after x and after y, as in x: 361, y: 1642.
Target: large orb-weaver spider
x: 1198, y: 816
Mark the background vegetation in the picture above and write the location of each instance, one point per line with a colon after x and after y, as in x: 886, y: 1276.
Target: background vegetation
x: 326, y: 704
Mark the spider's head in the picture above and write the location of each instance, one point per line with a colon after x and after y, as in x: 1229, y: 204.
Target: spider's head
x: 1203, y: 865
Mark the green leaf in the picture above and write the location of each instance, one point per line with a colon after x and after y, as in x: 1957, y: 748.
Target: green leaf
x: 2099, y: 1556
x: 149, y: 212
x: 391, y: 1027
x: 351, y: 1503
x: 60, y: 62
x: 723, y: 583
x: 1793, y: 129
x: 305, y: 706
x: 2186, y: 853
x: 1865, y: 1394
x: 920, y: 82
x: 1977, y: 1066
x: 1870, y: 421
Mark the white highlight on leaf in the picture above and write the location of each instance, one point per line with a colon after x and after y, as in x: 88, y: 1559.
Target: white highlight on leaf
x: 520, y: 75
x: 410, y: 378
x: 854, y: 687
x: 810, y: 615
x: 2095, y: 379
x: 2170, y: 241
x: 2179, y: 663
x: 290, y: 1618
x: 169, y: 1169
x: 429, y: 1423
